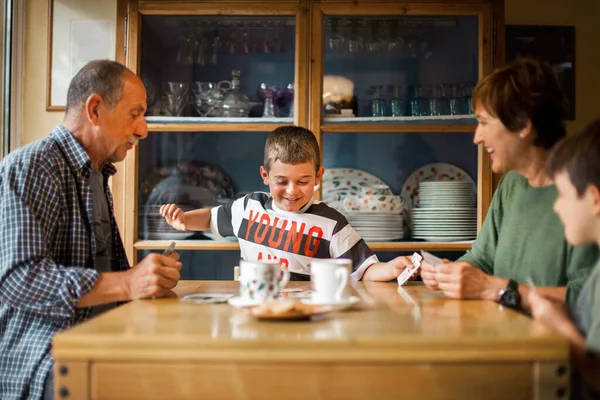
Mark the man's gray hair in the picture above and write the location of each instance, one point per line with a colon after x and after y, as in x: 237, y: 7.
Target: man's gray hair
x: 103, y: 77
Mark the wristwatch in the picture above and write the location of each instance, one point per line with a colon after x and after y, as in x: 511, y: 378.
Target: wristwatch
x: 509, y: 296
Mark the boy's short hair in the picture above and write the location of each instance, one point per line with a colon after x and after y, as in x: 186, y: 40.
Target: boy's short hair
x: 579, y: 156
x: 292, y: 145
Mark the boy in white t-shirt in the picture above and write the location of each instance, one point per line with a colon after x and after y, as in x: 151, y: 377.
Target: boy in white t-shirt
x: 575, y: 167
x: 287, y: 225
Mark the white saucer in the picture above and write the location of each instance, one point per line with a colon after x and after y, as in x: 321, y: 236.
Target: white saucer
x: 240, y: 302
x: 338, y: 305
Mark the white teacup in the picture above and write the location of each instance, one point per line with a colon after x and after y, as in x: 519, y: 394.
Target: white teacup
x: 260, y: 280
x: 329, y: 280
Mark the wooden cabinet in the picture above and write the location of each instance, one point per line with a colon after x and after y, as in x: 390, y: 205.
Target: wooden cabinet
x: 384, y: 85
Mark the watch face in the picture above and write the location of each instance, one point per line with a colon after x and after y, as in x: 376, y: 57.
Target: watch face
x: 509, y: 298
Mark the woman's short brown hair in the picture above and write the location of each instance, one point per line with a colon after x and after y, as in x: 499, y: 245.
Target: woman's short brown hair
x: 526, y: 89
x: 579, y: 156
x: 292, y: 145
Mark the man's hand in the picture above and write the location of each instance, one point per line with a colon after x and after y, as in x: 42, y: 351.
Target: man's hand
x: 174, y: 216
x: 154, y: 276
x: 461, y: 280
x: 428, y: 274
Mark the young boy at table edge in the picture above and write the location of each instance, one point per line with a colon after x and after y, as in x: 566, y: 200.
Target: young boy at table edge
x: 287, y: 224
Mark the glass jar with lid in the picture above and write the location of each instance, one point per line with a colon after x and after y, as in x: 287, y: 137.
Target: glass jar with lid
x: 235, y: 104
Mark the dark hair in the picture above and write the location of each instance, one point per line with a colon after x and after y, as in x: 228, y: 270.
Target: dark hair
x: 526, y: 89
x: 292, y: 145
x: 103, y: 77
x: 579, y: 156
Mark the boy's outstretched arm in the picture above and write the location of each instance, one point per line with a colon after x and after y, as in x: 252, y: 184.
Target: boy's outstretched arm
x: 555, y: 315
x: 387, y: 271
x: 195, y: 220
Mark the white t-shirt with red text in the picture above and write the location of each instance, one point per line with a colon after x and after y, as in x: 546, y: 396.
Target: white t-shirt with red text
x: 294, y: 238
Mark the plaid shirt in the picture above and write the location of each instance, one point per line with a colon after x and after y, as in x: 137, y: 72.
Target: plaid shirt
x: 47, y: 250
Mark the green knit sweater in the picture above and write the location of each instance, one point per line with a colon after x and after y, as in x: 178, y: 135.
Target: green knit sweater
x: 522, y: 237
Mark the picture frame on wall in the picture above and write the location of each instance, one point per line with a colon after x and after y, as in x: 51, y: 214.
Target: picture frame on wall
x: 554, y: 44
x: 78, y: 32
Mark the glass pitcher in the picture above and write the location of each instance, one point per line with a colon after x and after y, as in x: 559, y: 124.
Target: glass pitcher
x: 235, y: 104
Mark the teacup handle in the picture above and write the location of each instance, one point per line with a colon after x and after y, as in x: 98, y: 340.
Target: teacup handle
x: 342, y: 274
x: 285, y: 278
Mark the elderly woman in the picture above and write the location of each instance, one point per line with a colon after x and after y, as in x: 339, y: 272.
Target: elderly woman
x: 520, y: 110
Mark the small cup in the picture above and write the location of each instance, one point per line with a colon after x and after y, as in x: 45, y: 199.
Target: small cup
x: 262, y: 280
x: 329, y: 280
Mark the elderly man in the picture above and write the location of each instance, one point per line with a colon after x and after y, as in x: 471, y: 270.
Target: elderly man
x: 61, y: 256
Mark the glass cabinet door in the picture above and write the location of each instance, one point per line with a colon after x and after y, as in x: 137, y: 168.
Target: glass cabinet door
x: 396, y: 123
x: 379, y: 68
x: 384, y: 86
x: 219, y: 78
x: 219, y: 68
x: 220, y: 63
x: 381, y: 63
x: 195, y: 170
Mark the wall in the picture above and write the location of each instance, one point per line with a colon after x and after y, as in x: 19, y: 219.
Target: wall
x: 584, y: 15
x: 37, y: 122
x: 581, y: 13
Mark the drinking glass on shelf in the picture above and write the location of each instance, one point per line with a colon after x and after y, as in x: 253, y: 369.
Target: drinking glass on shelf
x: 202, y: 92
x: 397, y: 104
x: 395, y: 42
x: 277, y: 42
x: 356, y: 43
x: 443, y: 98
x: 245, y: 43
x: 375, y: 44
x: 151, y: 92
x: 335, y: 41
x: 216, y: 45
x: 202, y: 46
x: 185, y: 46
x: 434, y: 100
x: 174, y: 104
x: 232, y: 43
x: 419, y: 103
x: 288, y: 95
x: 176, y: 88
x: 467, y: 94
x: 456, y: 100
x: 261, y: 91
x: 269, y: 107
x: 377, y: 103
x: 413, y: 93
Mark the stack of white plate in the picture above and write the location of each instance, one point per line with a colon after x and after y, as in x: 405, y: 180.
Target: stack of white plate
x: 446, y: 194
x: 377, y: 226
x: 447, y: 212
x: 444, y: 224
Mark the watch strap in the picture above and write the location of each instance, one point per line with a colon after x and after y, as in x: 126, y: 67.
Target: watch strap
x: 512, y: 284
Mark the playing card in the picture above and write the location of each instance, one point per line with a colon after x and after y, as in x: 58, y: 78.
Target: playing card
x: 430, y: 258
x: 169, y: 250
x: 408, y: 272
x: 208, y: 298
x: 529, y: 282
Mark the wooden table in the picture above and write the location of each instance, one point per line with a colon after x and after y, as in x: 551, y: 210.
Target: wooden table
x: 416, y: 346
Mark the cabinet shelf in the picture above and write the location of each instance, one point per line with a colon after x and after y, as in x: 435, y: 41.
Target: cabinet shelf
x: 379, y: 246
x: 199, y: 124
x: 396, y: 128
x: 443, y: 123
